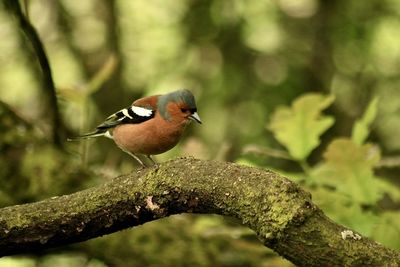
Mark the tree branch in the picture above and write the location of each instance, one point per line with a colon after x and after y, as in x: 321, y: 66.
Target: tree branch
x: 278, y: 210
x: 48, y: 83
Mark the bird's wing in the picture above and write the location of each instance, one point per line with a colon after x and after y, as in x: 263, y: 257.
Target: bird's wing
x: 132, y: 114
x: 141, y: 110
x: 137, y: 113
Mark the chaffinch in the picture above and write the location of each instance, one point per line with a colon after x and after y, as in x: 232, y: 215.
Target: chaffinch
x: 151, y: 125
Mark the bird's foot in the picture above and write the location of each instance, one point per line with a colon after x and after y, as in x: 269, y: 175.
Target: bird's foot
x: 155, y: 164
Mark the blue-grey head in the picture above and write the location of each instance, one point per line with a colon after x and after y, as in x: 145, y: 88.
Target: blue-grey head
x: 178, y: 105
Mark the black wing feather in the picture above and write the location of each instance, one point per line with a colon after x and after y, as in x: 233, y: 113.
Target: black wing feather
x: 124, y: 116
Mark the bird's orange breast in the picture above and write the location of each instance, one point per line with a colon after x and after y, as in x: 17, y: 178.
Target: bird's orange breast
x: 151, y: 137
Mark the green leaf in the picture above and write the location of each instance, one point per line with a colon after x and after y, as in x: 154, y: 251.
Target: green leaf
x: 356, y: 218
x: 299, y: 127
x: 360, y: 130
x: 388, y: 229
x: 349, y: 168
x: 389, y: 188
x: 340, y: 208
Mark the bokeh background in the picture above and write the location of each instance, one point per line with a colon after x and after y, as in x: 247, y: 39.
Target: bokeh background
x: 308, y: 88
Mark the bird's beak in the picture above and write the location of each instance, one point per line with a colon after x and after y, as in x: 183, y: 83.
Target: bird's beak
x: 195, y: 117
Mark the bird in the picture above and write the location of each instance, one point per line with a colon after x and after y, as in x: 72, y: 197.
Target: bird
x: 151, y: 125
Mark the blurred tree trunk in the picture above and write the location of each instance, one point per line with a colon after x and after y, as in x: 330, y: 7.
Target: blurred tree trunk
x: 58, y: 130
x: 278, y: 210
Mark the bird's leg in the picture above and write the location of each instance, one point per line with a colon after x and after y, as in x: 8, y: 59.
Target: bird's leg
x: 138, y: 159
x: 151, y: 159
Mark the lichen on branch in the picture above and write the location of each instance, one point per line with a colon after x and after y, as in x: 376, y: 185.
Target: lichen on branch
x: 278, y: 210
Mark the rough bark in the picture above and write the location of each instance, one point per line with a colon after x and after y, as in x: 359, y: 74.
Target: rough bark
x: 278, y: 210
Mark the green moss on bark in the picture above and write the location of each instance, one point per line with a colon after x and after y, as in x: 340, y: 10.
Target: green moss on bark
x: 278, y: 210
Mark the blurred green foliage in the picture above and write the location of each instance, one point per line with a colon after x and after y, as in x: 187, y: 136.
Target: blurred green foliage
x: 343, y: 182
x: 360, y: 130
x: 299, y: 128
x: 246, y: 61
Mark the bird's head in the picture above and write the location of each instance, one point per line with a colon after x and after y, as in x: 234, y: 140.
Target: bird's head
x: 179, y: 106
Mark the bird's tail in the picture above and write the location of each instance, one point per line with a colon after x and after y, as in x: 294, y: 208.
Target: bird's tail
x: 97, y: 133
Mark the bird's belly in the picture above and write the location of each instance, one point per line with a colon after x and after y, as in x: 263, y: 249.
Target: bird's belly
x: 148, y: 141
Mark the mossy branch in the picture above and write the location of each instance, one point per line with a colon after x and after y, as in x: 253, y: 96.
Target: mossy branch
x: 278, y: 210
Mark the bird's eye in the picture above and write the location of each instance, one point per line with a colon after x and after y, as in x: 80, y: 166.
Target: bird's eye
x: 184, y: 110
